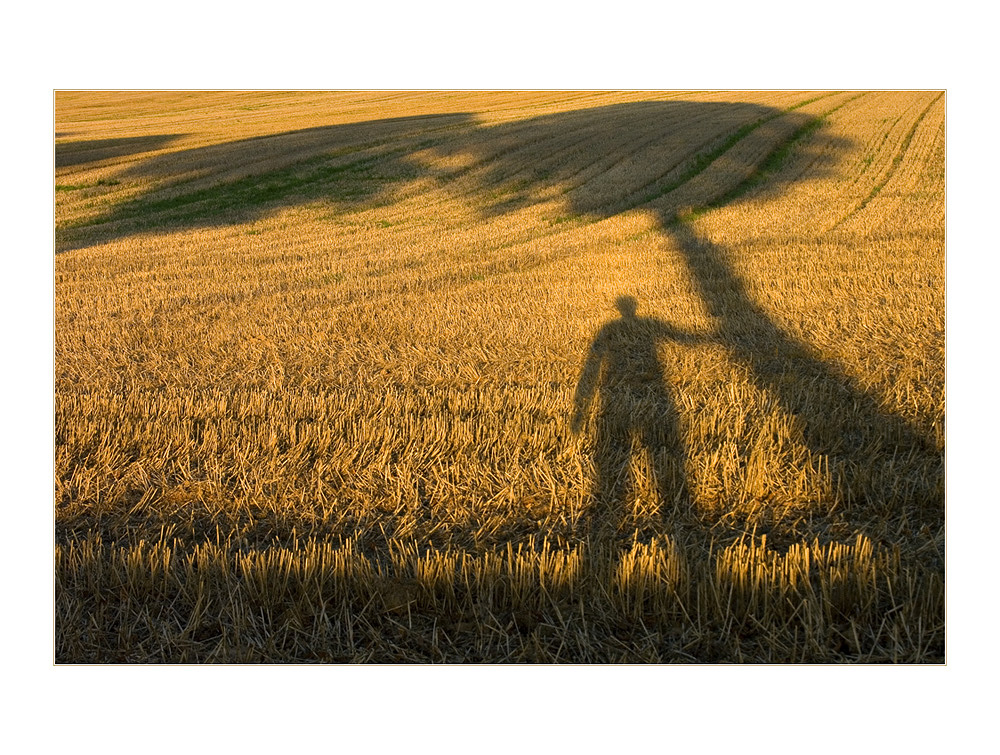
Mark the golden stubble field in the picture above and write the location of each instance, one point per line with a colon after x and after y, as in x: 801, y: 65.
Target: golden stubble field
x: 499, y: 376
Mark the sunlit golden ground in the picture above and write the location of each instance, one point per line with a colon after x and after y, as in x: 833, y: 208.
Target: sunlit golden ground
x: 500, y: 376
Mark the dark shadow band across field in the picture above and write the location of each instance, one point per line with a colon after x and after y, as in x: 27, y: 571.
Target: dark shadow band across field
x: 244, y: 180
x: 602, y: 160
x: 74, y: 153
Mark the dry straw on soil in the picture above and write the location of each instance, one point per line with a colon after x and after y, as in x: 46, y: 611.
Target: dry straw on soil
x: 547, y: 376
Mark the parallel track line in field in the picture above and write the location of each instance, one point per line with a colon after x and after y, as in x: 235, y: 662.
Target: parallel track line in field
x: 891, y: 172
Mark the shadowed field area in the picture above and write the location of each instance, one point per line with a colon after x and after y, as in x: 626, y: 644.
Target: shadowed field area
x: 499, y: 376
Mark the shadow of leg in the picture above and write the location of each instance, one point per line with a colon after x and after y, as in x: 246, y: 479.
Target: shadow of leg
x: 666, y: 454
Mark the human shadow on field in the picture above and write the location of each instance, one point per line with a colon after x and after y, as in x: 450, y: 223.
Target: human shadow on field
x: 634, y: 407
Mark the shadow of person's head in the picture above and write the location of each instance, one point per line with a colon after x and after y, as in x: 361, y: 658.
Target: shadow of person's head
x: 627, y: 306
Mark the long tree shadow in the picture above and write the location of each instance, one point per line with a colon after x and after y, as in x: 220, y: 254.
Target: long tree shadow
x: 639, y: 156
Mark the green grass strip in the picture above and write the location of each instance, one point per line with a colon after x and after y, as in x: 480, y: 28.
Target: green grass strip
x: 312, y: 179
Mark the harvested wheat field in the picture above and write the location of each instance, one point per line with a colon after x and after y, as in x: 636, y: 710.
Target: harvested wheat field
x: 558, y: 377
